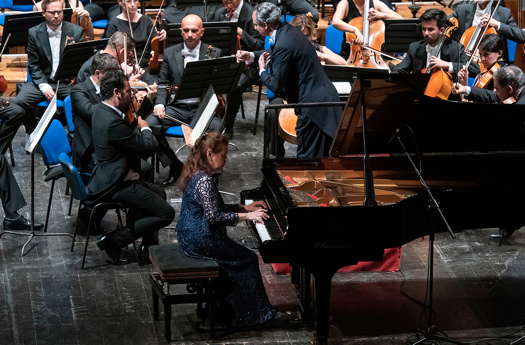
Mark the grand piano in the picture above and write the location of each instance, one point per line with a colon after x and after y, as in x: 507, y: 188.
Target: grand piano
x: 336, y: 211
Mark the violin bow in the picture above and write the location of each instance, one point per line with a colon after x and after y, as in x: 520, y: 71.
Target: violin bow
x: 131, y: 33
x: 482, y: 33
x: 152, y: 28
x: 5, y: 45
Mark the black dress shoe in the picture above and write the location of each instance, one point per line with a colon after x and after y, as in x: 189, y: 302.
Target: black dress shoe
x: 20, y: 223
x: 143, y: 255
x: 175, y: 171
x: 113, y: 251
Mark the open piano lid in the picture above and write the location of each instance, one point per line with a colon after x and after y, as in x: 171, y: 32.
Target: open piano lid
x: 395, y: 103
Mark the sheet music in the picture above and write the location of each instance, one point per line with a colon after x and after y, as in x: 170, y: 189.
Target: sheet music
x: 342, y: 87
x: 45, y: 120
x: 204, y: 119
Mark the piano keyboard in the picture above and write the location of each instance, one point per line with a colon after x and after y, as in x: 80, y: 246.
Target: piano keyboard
x: 270, y: 230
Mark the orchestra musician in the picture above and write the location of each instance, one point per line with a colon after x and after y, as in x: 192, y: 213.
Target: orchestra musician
x: 423, y: 54
x: 240, y: 11
x: 347, y: 10
x: 46, y: 42
x: 165, y: 113
x: 490, y: 53
x: 473, y: 13
x: 119, y: 145
x: 509, y: 82
x: 295, y: 7
x: 138, y: 27
x: 118, y: 43
x: 84, y: 97
x: 292, y: 69
x: 12, y: 198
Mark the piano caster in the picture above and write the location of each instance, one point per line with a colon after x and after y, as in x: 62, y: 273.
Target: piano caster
x: 503, y: 233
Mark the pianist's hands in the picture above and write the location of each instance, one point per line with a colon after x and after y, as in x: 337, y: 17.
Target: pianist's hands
x: 258, y: 216
x: 254, y: 206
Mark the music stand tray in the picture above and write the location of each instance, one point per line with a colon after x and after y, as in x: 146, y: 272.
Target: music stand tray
x: 18, y: 25
x: 399, y: 33
x: 23, y: 3
x: 222, y: 35
x: 223, y: 73
x: 75, y: 55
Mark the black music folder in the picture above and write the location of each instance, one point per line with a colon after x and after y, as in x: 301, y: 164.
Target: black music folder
x: 74, y: 55
x: 399, y: 33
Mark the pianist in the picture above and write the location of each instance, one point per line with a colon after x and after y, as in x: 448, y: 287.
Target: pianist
x: 201, y: 231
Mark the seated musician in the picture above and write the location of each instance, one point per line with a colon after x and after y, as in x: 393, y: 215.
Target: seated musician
x: 84, y: 97
x: 44, y: 47
x: 118, y: 43
x: 473, y: 13
x: 490, y: 53
x: 201, y: 232
x: 307, y: 26
x: 509, y: 82
x: 12, y: 198
x: 140, y: 29
x: 168, y: 114
x: 295, y: 7
x: 76, y: 6
x: 347, y: 10
x: 424, y: 54
x: 240, y: 11
x: 119, y: 144
x: 292, y: 69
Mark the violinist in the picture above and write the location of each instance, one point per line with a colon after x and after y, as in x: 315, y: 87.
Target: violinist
x: 167, y: 114
x: 425, y: 54
x: 490, y: 52
x: 84, y: 97
x: 45, y: 44
x: 347, y: 10
x: 509, y: 85
x: 138, y: 27
x: 474, y: 13
x: 118, y: 44
x: 119, y: 146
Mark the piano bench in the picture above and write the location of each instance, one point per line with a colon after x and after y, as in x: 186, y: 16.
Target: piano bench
x: 171, y: 267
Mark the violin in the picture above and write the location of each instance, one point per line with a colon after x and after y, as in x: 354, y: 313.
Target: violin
x: 510, y: 100
x: 157, y: 46
x: 486, y: 77
x: 84, y: 22
x: 440, y: 83
x: 136, y: 101
x: 373, y: 37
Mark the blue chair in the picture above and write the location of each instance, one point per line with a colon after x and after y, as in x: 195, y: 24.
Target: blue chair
x: 43, y: 104
x: 79, y: 192
x: 334, y: 39
x: 53, y: 143
x: 2, y: 18
x: 68, y: 109
x: 100, y: 24
x: 511, y: 50
x: 8, y: 4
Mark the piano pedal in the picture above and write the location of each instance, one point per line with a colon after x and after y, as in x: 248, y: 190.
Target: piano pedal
x: 503, y: 233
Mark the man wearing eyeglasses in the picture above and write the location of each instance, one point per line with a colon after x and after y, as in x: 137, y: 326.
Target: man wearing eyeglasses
x: 175, y: 59
x: 46, y: 42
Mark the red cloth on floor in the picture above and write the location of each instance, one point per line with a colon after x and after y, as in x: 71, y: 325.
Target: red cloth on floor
x: 390, y: 263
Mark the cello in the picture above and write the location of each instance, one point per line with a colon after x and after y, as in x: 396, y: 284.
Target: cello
x: 440, y: 83
x: 373, y: 37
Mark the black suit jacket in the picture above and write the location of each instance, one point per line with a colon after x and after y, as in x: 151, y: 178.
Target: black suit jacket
x: 39, y: 51
x: 295, y: 72
x: 489, y: 96
x: 416, y: 58
x: 465, y: 12
x: 251, y: 39
x: 172, y: 67
x: 84, y: 98
x: 118, y: 148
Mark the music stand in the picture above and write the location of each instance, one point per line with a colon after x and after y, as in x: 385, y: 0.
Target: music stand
x: 399, y: 33
x: 223, y: 73
x: 75, y: 55
x: 222, y: 35
x: 32, y: 143
x: 17, y: 25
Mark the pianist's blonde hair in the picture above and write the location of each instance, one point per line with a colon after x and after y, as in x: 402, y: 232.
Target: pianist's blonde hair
x: 198, y: 159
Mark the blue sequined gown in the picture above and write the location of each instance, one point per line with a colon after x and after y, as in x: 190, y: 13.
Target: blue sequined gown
x: 201, y: 231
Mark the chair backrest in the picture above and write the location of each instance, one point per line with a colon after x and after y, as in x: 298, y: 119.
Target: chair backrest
x: 73, y: 177
x: 8, y: 4
x: 334, y: 39
x: 54, y: 142
x: 511, y: 50
x: 68, y: 109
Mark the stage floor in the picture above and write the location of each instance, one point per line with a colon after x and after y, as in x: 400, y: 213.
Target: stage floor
x: 46, y: 299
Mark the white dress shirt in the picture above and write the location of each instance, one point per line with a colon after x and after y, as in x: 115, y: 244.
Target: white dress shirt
x: 190, y: 55
x: 54, y: 42
x: 97, y: 87
x: 436, y: 51
x: 480, y: 13
x: 237, y: 12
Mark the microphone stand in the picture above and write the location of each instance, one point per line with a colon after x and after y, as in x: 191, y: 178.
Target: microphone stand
x: 429, y: 332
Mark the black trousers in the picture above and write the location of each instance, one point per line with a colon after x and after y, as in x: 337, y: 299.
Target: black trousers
x: 247, y: 78
x: 312, y: 143
x: 29, y: 95
x: 149, y: 211
x: 10, y: 193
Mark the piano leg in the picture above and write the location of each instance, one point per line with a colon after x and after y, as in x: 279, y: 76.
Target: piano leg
x: 322, y: 289
x: 304, y: 288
